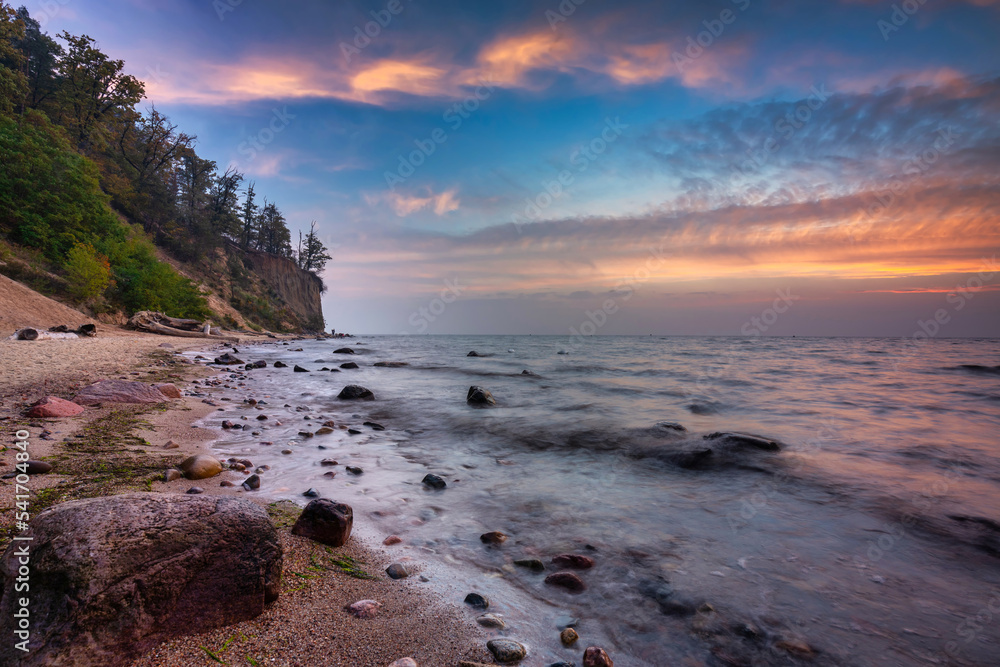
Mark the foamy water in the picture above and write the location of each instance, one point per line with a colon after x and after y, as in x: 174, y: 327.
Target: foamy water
x: 873, y: 536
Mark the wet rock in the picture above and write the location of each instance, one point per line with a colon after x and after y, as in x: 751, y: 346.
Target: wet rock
x: 195, y: 490
x: 227, y: 424
x: 172, y: 474
x: 325, y: 521
x: 795, y: 647
x: 325, y: 430
x: 330, y: 474
x: 201, y: 466
x: 532, y: 564
x: 348, y: 365
x: 355, y: 392
x: 480, y: 397
x: 375, y: 426
x: 311, y: 493
x: 280, y: 364
x: 344, y: 350
x: 404, y: 662
x: 226, y: 483
x: 671, y: 427
x: 434, y: 482
x: 354, y: 470
x: 306, y: 434
x: 252, y: 483
x: 299, y: 369
x: 328, y: 462
x: 391, y: 540
x: 506, y: 650
x: 694, y: 459
x: 477, y: 601
x: 259, y: 364
x: 54, y: 407
x: 287, y: 451
x: 168, y: 389
x: 329, y: 423
x: 365, y: 608
x: 568, y: 637
x: 745, y: 440
x: 262, y: 418
x: 494, y: 538
x: 397, y: 571
x: 491, y: 621
x: 390, y: 364
x: 228, y: 360
x: 119, y: 391
x: 527, y: 372
x: 596, y: 656
x: 203, y: 563
x: 353, y: 431
x: 567, y: 580
x: 573, y: 561
x: 661, y: 592
x: 170, y: 444
x: 473, y: 353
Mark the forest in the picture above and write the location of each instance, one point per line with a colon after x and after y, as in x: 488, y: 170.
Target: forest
x: 96, y: 184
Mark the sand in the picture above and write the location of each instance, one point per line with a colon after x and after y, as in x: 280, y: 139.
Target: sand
x: 308, y: 625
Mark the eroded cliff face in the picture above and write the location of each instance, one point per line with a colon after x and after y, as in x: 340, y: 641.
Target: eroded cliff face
x: 300, y: 290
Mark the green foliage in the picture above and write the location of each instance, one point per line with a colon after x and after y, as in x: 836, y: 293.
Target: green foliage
x: 87, y: 272
x: 145, y: 283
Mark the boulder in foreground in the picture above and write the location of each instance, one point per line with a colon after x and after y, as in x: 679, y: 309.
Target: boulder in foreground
x: 480, y: 397
x: 353, y: 392
x: 53, y: 406
x: 325, y: 521
x: 114, y: 576
x: 119, y: 391
x: 201, y: 466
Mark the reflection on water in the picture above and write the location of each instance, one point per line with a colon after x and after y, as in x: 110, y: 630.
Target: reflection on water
x: 872, y: 538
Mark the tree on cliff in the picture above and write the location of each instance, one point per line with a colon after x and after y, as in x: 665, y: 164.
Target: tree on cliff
x: 312, y: 253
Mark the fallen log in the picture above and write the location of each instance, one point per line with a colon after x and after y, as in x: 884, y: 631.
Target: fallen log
x: 156, y: 327
x: 154, y: 322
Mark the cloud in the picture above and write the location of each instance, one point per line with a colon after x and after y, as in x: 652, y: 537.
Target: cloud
x: 407, y: 204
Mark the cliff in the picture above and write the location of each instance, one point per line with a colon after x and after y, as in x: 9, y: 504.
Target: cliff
x: 297, y: 290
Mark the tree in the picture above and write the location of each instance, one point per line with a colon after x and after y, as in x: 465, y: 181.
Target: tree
x: 92, y: 88
x: 13, y: 83
x: 41, y: 56
x: 312, y: 253
x: 88, y: 272
x: 272, y: 232
x: 249, y: 218
x: 224, y: 204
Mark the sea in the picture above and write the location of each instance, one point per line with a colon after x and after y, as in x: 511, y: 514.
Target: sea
x: 863, y: 528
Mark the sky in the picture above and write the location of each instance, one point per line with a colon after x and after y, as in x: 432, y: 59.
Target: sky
x: 729, y: 167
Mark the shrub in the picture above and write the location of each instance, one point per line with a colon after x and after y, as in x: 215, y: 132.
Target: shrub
x: 88, y: 273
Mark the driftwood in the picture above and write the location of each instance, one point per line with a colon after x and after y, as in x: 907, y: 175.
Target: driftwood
x: 154, y: 322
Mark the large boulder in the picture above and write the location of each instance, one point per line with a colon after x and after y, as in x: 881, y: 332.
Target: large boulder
x: 53, y: 406
x: 325, y: 521
x: 112, y: 577
x: 119, y: 391
x: 480, y: 397
x: 201, y: 466
x: 353, y: 392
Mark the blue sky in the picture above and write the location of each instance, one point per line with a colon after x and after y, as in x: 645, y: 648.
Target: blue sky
x: 602, y: 152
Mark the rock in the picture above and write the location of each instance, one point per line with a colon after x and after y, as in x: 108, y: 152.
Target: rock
x: 168, y: 389
x: 566, y: 580
x: 365, y: 608
x: 252, y: 483
x: 343, y: 350
x: 697, y: 458
x: 112, y: 577
x: 391, y: 540
x: 330, y: 474
x: 479, y: 397
x: 354, y: 470
x: 478, y: 601
x: 228, y: 360
x: 743, y: 440
x: 563, y: 664
x: 262, y: 418
x: 325, y: 521
x: 348, y: 365
x: 172, y: 474
x: 495, y: 538
x: 527, y: 372
x: 53, y: 407
x: 404, y: 662
x: 34, y: 467
x: 299, y: 369
x: 596, y: 656
x: 201, y: 466
x: 306, y: 434
x: 397, y: 571
x: 195, y: 490
x: 226, y: 483
x: 287, y: 451
x: 166, y: 345
x: 660, y: 591
x: 311, y: 493
x: 568, y: 636
x: 573, y: 561
x: 672, y: 427
x: 796, y: 647
x: 325, y: 430
x: 491, y: 621
x: 259, y: 364
x: 119, y: 391
x: 390, y: 364
x: 170, y: 444
x: 531, y: 563
x: 375, y: 426
x: 506, y: 650
x: 280, y: 364
x: 354, y: 392
x: 328, y: 462
x: 434, y: 482
x: 353, y: 431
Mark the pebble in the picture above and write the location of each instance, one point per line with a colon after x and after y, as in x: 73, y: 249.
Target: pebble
x: 226, y: 482
x: 172, y: 474
x: 494, y: 537
x: 491, y: 621
x: 328, y: 462
x: 434, y: 482
x: 286, y: 451
x: 375, y: 426
x: 196, y: 490
x: 365, y: 608
x: 171, y: 445
x: 566, y: 580
x: 353, y: 431
x: 391, y: 540
x: 573, y: 561
x: 330, y: 474
x: 595, y: 656
x: 251, y: 483
x: 397, y: 571
x: 506, y: 650
x: 311, y: 493
x: 354, y: 470
x: 531, y: 563
x: 478, y: 601
x: 797, y: 648
x: 324, y: 430
x: 568, y: 636
x: 299, y: 369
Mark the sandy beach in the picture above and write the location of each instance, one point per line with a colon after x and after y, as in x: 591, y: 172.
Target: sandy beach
x: 308, y: 624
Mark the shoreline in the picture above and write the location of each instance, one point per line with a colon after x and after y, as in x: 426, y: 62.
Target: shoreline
x: 308, y: 621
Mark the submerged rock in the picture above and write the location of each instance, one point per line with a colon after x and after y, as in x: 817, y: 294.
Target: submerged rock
x: 479, y: 397
x: 532, y: 564
x: 595, y: 656
x: 573, y: 561
x: 568, y: 637
x: 494, y: 538
x: 491, y: 621
x: 478, y: 601
x: 390, y: 364
x: 348, y: 365
x: 344, y: 350
x: 203, y: 562
x: 354, y: 392
x: 567, y: 580
x: 434, y: 482
x: 299, y: 369
x: 741, y: 440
